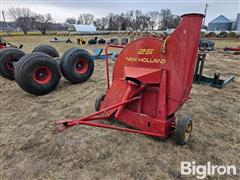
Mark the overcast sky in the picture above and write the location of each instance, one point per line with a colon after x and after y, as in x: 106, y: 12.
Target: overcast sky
x: 61, y: 9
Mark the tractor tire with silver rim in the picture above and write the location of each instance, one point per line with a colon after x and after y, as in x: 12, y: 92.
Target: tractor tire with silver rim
x: 183, y: 130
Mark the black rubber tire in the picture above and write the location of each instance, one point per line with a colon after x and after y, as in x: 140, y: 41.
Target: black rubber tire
x: 92, y: 41
x: 205, y: 45
x: 64, y: 56
x: 68, y: 65
x: 101, y: 41
x: 24, y: 73
x: 0, y: 57
x: 47, y: 49
x: 98, y: 101
x: 6, y: 53
x: 181, y: 129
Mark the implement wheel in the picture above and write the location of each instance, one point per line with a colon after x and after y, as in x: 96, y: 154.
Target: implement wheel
x: 37, y: 73
x: 76, y: 65
x: 8, y: 56
x: 47, y: 49
x: 98, y: 101
x: 183, y: 130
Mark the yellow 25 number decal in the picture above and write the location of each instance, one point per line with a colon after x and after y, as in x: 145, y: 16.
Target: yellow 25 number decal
x: 145, y: 51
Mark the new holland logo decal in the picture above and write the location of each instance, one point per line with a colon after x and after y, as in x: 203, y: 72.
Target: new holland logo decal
x: 146, y: 59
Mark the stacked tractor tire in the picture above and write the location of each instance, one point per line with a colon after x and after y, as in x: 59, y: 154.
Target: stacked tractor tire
x: 40, y: 71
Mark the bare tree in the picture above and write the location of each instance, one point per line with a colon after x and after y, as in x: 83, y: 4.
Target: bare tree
x: 165, y: 13
x: 155, y: 19
x: 142, y: 22
x: 104, y: 22
x: 114, y: 22
x: 23, y: 18
x: 101, y: 23
x: 97, y: 23
x: 173, y: 21
x: 85, y: 19
x: 168, y: 20
x: 42, y: 22
x: 137, y: 20
x: 112, y: 25
x: 71, y: 20
x: 152, y: 24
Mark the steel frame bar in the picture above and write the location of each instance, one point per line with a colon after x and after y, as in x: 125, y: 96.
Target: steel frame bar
x: 119, y: 128
x: 69, y: 123
x: 107, y: 68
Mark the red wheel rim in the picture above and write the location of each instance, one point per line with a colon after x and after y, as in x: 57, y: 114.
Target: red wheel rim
x: 42, y: 75
x: 9, y: 64
x: 81, y: 66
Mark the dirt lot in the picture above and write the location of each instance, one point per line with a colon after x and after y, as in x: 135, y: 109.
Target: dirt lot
x: 30, y: 151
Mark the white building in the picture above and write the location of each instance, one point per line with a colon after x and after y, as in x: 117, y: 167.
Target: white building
x: 81, y: 29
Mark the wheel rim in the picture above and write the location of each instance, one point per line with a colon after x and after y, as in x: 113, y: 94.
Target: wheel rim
x: 81, y: 66
x: 42, y: 75
x: 188, y: 132
x: 9, y: 64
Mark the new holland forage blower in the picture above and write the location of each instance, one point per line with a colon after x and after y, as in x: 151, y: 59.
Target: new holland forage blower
x: 152, y: 78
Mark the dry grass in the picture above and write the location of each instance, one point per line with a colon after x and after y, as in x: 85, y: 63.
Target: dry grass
x: 30, y: 151
x: 222, y: 43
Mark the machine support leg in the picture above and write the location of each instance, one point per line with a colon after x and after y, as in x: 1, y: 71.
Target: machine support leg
x: 216, y: 78
x: 201, y: 69
x: 197, y: 68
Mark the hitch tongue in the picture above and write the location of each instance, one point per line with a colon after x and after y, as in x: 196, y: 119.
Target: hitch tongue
x: 59, y: 129
x: 61, y: 125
